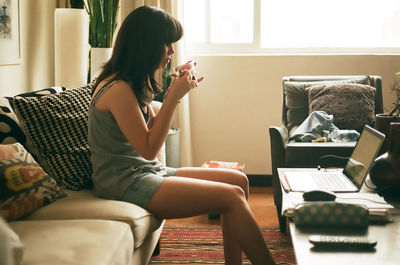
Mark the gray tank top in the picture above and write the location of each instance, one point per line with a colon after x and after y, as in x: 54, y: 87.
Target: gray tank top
x: 115, y: 161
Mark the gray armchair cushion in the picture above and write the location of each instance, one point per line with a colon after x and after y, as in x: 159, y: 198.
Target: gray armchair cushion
x: 296, y: 97
x: 352, y: 105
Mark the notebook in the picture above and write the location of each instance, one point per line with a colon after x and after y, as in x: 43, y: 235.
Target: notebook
x: 350, y: 179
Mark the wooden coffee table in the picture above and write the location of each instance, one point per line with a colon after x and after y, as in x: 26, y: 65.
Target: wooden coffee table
x: 386, y: 251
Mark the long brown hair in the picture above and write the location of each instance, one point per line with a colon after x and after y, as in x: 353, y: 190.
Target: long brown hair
x: 139, y: 48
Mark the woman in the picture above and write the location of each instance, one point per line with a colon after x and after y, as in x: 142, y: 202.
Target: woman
x: 125, y: 136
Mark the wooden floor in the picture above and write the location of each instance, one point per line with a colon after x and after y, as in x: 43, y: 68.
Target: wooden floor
x: 261, y: 200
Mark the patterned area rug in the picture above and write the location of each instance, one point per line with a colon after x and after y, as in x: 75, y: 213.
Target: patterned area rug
x: 203, y: 245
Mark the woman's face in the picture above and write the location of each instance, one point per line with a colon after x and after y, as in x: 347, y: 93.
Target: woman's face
x: 169, y: 50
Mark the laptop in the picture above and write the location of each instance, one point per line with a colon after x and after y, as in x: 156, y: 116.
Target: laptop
x: 350, y: 179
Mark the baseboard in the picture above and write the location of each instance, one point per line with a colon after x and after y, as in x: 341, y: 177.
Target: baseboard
x: 256, y: 180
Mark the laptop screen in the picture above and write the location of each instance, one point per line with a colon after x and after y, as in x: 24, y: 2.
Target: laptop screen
x: 363, y: 155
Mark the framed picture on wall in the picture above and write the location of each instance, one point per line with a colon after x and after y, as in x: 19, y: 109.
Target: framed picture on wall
x: 10, y: 51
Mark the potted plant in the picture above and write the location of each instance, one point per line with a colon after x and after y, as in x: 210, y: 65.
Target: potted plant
x: 396, y: 89
x: 382, y: 121
x: 103, y: 22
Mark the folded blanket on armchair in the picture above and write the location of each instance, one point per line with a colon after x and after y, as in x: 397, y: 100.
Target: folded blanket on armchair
x: 319, y: 125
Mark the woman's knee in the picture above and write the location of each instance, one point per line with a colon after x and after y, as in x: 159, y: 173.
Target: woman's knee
x: 233, y: 198
x: 236, y: 194
x: 241, y: 180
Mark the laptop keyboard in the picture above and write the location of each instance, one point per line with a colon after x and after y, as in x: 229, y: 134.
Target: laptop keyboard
x: 327, y: 180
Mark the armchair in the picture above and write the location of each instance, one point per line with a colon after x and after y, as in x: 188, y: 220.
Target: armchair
x: 295, y: 109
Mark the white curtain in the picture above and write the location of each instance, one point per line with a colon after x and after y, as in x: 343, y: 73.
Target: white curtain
x: 37, y: 44
x: 182, y: 117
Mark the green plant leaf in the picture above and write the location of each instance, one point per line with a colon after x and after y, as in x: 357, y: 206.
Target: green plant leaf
x: 396, y: 89
x: 103, y: 21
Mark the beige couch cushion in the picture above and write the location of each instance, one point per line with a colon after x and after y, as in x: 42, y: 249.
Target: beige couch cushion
x: 84, y: 205
x: 11, y: 248
x: 69, y: 242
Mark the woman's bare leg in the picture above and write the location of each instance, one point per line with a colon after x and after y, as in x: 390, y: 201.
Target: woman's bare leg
x: 229, y: 176
x: 232, y: 250
x: 180, y: 197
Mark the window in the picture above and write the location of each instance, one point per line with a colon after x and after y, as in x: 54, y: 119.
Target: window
x: 292, y: 26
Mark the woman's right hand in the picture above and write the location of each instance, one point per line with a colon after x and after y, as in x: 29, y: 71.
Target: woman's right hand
x: 181, y: 85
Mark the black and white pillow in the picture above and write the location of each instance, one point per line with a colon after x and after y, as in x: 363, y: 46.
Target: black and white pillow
x: 42, y: 92
x: 10, y: 130
x: 55, y: 126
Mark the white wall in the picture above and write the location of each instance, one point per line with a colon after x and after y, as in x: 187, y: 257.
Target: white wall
x: 242, y: 95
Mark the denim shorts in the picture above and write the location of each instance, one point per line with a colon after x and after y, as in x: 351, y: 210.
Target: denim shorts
x: 144, y: 186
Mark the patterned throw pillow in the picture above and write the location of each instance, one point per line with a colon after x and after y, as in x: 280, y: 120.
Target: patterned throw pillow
x: 10, y: 131
x: 352, y: 105
x: 24, y: 185
x: 55, y: 126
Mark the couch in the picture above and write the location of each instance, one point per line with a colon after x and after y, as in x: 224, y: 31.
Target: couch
x: 49, y: 212
x: 357, y: 106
